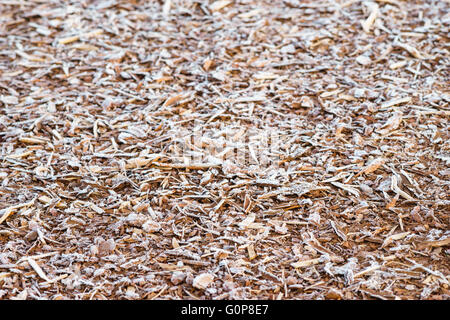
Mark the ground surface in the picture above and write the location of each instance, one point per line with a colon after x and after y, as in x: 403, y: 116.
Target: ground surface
x: 120, y: 122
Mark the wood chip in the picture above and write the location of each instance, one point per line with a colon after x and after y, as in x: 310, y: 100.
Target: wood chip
x: 251, y: 252
x: 437, y: 243
x: 219, y: 5
x: 395, y: 102
x: 202, y: 281
x: 305, y: 263
x: 374, y: 13
x: 410, y: 49
x: 393, y: 238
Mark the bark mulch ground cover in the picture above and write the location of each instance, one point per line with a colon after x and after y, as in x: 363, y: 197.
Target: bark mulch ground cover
x: 120, y: 122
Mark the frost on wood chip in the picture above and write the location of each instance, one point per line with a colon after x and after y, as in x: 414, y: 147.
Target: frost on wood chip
x: 224, y: 149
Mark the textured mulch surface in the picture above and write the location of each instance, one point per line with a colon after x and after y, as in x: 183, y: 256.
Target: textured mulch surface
x: 224, y: 150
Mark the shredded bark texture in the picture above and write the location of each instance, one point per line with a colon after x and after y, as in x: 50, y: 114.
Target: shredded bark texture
x: 118, y: 119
